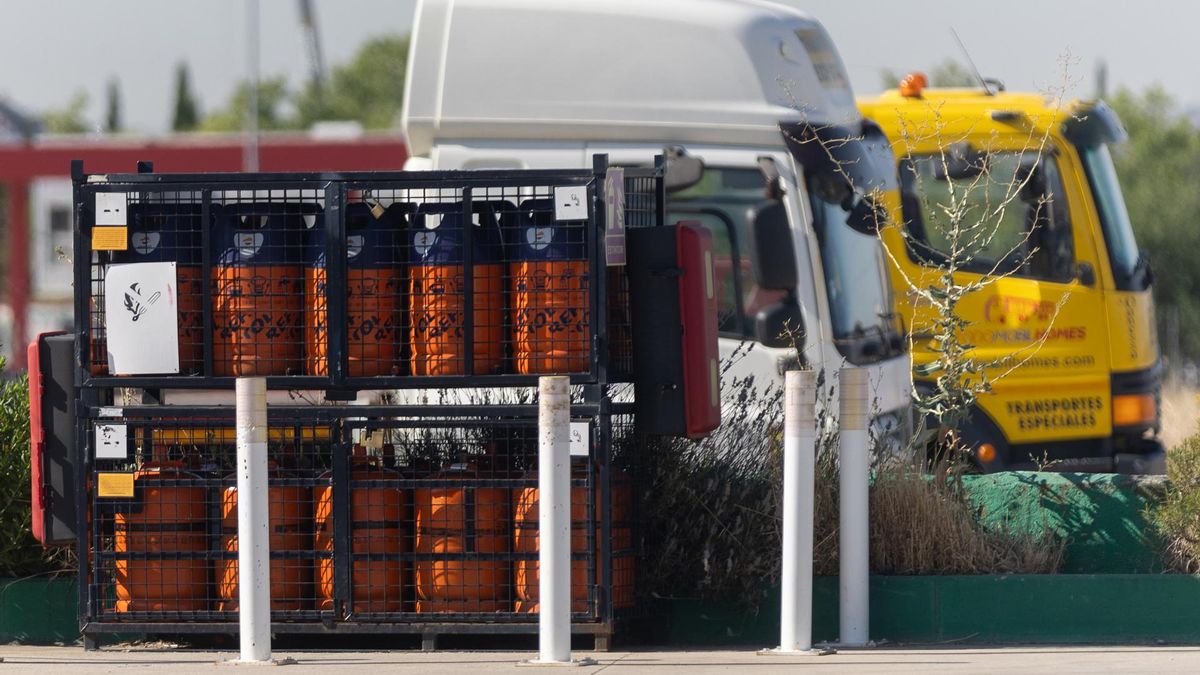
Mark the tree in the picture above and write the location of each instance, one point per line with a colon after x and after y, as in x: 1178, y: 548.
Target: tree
x: 112, y: 118
x: 68, y: 119
x: 187, y: 113
x: 273, y: 96
x: 1155, y: 168
x: 369, y: 89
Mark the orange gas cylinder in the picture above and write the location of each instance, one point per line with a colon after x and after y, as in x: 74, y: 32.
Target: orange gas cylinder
x: 373, y: 300
x: 258, y: 290
x: 437, y: 291
x: 171, y: 519
x: 378, y: 532
x: 525, y: 540
x: 549, y: 292
x: 622, y: 541
x: 166, y: 233
x: 290, y: 517
x: 453, y: 521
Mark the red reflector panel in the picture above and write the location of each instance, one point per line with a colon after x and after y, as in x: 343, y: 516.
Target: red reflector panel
x: 698, y: 312
x: 674, y: 307
x: 37, y: 438
x: 52, y: 438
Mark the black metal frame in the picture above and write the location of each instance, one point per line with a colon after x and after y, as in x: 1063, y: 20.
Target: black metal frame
x: 592, y: 397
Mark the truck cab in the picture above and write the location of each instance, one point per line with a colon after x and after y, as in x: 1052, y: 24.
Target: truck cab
x: 754, y: 90
x: 1067, y: 322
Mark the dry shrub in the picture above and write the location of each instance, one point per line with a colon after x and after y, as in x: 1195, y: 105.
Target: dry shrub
x: 711, y: 507
x: 712, y: 513
x: 924, y: 526
x: 1177, y: 518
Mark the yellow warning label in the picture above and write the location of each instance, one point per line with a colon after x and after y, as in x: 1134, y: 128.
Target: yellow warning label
x: 114, y: 484
x: 110, y: 238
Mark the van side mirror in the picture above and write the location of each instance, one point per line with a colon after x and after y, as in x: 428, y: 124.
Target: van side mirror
x: 779, y: 324
x: 866, y: 216
x: 682, y: 170
x: 772, y: 255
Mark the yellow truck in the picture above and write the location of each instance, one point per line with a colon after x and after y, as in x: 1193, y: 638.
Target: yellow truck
x: 1067, y: 320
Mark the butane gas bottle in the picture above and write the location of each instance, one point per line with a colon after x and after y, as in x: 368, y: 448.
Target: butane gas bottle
x: 167, y: 520
x: 166, y: 232
x: 549, y: 278
x: 258, y: 289
x: 437, y: 297
x: 373, y: 300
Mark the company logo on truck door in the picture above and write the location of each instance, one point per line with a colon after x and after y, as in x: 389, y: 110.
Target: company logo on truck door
x: 1012, y: 313
x: 1011, y: 310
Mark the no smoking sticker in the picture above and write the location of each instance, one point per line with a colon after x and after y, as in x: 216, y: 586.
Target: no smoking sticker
x: 111, y: 441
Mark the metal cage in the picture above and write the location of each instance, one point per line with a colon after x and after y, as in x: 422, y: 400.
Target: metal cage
x: 447, y: 294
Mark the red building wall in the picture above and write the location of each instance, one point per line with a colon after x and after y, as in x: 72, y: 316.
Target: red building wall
x: 21, y: 164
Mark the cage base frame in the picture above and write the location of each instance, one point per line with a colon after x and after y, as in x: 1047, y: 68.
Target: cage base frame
x: 429, y: 632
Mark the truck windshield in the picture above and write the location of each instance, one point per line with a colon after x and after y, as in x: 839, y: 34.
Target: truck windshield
x: 1114, y: 219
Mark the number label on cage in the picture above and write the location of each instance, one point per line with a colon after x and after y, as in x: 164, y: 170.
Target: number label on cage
x: 141, y: 314
x: 110, y: 239
x: 111, y: 441
x: 110, y: 208
x: 114, y: 485
x: 570, y: 202
x: 581, y: 439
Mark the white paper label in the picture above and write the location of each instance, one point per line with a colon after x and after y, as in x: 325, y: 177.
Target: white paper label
x: 581, y: 439
x: 111, y: 441
x: 570, y: 202
x: 108, y: 412
x: 111, y: 207
x: 141, y: 312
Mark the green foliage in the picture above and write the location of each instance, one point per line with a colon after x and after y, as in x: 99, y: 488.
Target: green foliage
x: 272, y: 99
x: 112, y: 116
x: 369, y: 89
x: 187, y: 111
x: 20, y: 554
x: 68, y: 119
x: 1155, y: 168
x: 1177, y: 518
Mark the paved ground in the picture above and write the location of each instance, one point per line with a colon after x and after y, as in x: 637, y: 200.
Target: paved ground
x: 1009, y: 659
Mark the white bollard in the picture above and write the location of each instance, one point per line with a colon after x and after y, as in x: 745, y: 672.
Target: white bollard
x: 799, y: 473
x: 853, y: 529
x: 554, y: 520
x: 254, y: 553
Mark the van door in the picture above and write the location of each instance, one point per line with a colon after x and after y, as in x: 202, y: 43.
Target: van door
x: 1039, y: 319
x: 731, y: 185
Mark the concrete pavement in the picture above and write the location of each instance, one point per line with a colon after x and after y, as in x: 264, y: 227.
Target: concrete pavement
x: 1007, y: 659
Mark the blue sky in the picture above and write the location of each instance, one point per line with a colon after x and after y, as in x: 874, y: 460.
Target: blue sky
x: 50, y: 49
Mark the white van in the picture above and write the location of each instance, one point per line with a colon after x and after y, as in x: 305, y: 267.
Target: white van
x: 743, y: 85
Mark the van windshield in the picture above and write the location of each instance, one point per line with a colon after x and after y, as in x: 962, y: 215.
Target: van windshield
x: 860, y: 299
x: 843, y: 167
